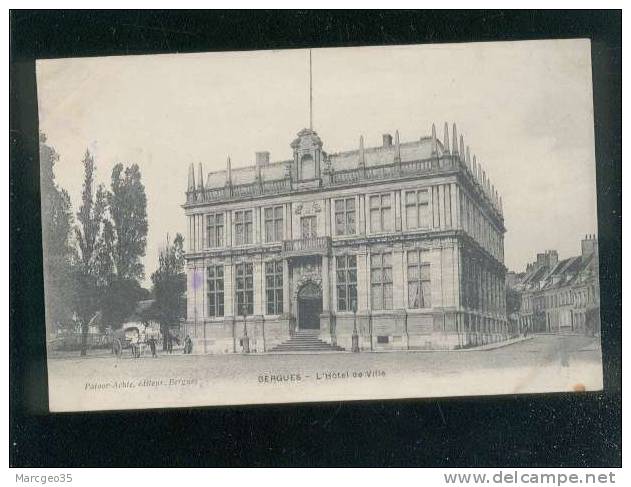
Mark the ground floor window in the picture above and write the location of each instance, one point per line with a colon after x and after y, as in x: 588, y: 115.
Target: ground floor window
x: 381, y: 280
x: 274, y: 287
x: 419, y: 282
x: 215, y: 294
x: 245, y: 289
x: 346, y: 282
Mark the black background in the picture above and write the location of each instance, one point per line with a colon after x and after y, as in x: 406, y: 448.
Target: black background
x: 533, y: 430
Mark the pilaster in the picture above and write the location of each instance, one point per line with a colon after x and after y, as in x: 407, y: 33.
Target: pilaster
x: 398, y: 285
x: 397, y: 210
x: 286, y: 288
x: 362, y: 214
x: 363, y: 277
x: 326, y: 285
x: 259, y: 292
x: 228, y: 283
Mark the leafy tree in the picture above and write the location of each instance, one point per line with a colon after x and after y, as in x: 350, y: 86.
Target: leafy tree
x: 128, y: 208
x: 169, y: 284
x: 57, y: 221
x: 119, y: 300
x: 91, y: 272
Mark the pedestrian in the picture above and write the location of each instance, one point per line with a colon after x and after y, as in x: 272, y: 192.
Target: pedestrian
x: 169, y: 342
x: 188, y: 345
x: 152, y: 345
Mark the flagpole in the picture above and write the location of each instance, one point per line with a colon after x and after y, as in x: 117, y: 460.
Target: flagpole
x: 310, y: 94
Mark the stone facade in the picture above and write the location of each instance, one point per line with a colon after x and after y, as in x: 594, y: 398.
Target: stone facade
x: 400, y: 246
x: 561, y: 296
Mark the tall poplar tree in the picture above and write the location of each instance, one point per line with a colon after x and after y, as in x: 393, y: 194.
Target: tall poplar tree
x: 128, y: 208
x: 124, y: 242
x: 89, y: 273
x: 57, y: 221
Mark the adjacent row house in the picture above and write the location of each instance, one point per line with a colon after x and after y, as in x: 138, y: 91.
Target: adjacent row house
x: 561, y: 296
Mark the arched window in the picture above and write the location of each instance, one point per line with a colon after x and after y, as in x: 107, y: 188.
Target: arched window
x: 307, y: 166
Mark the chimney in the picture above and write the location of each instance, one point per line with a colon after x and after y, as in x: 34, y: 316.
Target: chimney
x: 589, y: 246
x: 553, y: 258
x: 387, y: 140
x: 262, y: 158
x: 541, y: 259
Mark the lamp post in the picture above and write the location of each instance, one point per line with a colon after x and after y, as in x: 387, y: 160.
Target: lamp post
x: 355, y: 338
x: 246, y: 339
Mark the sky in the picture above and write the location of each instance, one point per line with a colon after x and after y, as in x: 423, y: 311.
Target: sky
x: 524, y: 108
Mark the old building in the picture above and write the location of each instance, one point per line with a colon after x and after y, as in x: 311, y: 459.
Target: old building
x: 399, y: 246
x: 561, y: 296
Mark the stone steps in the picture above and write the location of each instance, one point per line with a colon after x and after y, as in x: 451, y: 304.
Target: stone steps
x: 306, y: 341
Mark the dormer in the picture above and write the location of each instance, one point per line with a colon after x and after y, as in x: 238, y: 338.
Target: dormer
x: 307, y: 155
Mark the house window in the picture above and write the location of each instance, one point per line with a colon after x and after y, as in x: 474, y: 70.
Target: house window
x: 381, y: 280
x: 345, y: 216
x: 417, y: 209
x: 214, y: 230
x: 380, y: 213
x: 243, y: 227
x: 346, y: 267
x: 274, y: 224
x: 214, y: 276
x: 419, y: 282
x: 274, y: 287
x: 245, y: 289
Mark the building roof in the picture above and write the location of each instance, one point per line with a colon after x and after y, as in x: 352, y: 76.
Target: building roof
x: 339, y: 161
x: 562, y: 273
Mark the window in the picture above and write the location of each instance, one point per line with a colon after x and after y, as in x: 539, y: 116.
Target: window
x: 383, y: 339
x: 308, y: 227
x: 346, y: 267
x: 274, y: 287
x: 245, y: 289
x: 380, y: 213
x: 381, y: 281
x: 214, y: 276
x: 417, y: 209
x: 308, y: 167
x: 214, y: 230
x: 419, y: 282
x: 345, y: 216
x: 243, y: 227
x: 274, y: 224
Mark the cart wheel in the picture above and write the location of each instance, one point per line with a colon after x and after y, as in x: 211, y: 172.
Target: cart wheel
x: 117, y: 347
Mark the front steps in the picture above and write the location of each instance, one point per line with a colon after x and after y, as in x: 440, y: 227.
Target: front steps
x: 306, y: 341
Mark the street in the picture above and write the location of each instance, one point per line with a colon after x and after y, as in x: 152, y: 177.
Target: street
x: 543, y: 363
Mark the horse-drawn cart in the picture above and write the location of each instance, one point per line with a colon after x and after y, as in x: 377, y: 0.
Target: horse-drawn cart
x: 134, y: 337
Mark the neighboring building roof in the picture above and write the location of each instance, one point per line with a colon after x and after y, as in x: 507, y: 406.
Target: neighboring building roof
x: 563, y: 273
x: 547, y: 277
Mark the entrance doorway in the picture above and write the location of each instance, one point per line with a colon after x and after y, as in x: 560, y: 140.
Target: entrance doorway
x: 309, y: 306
